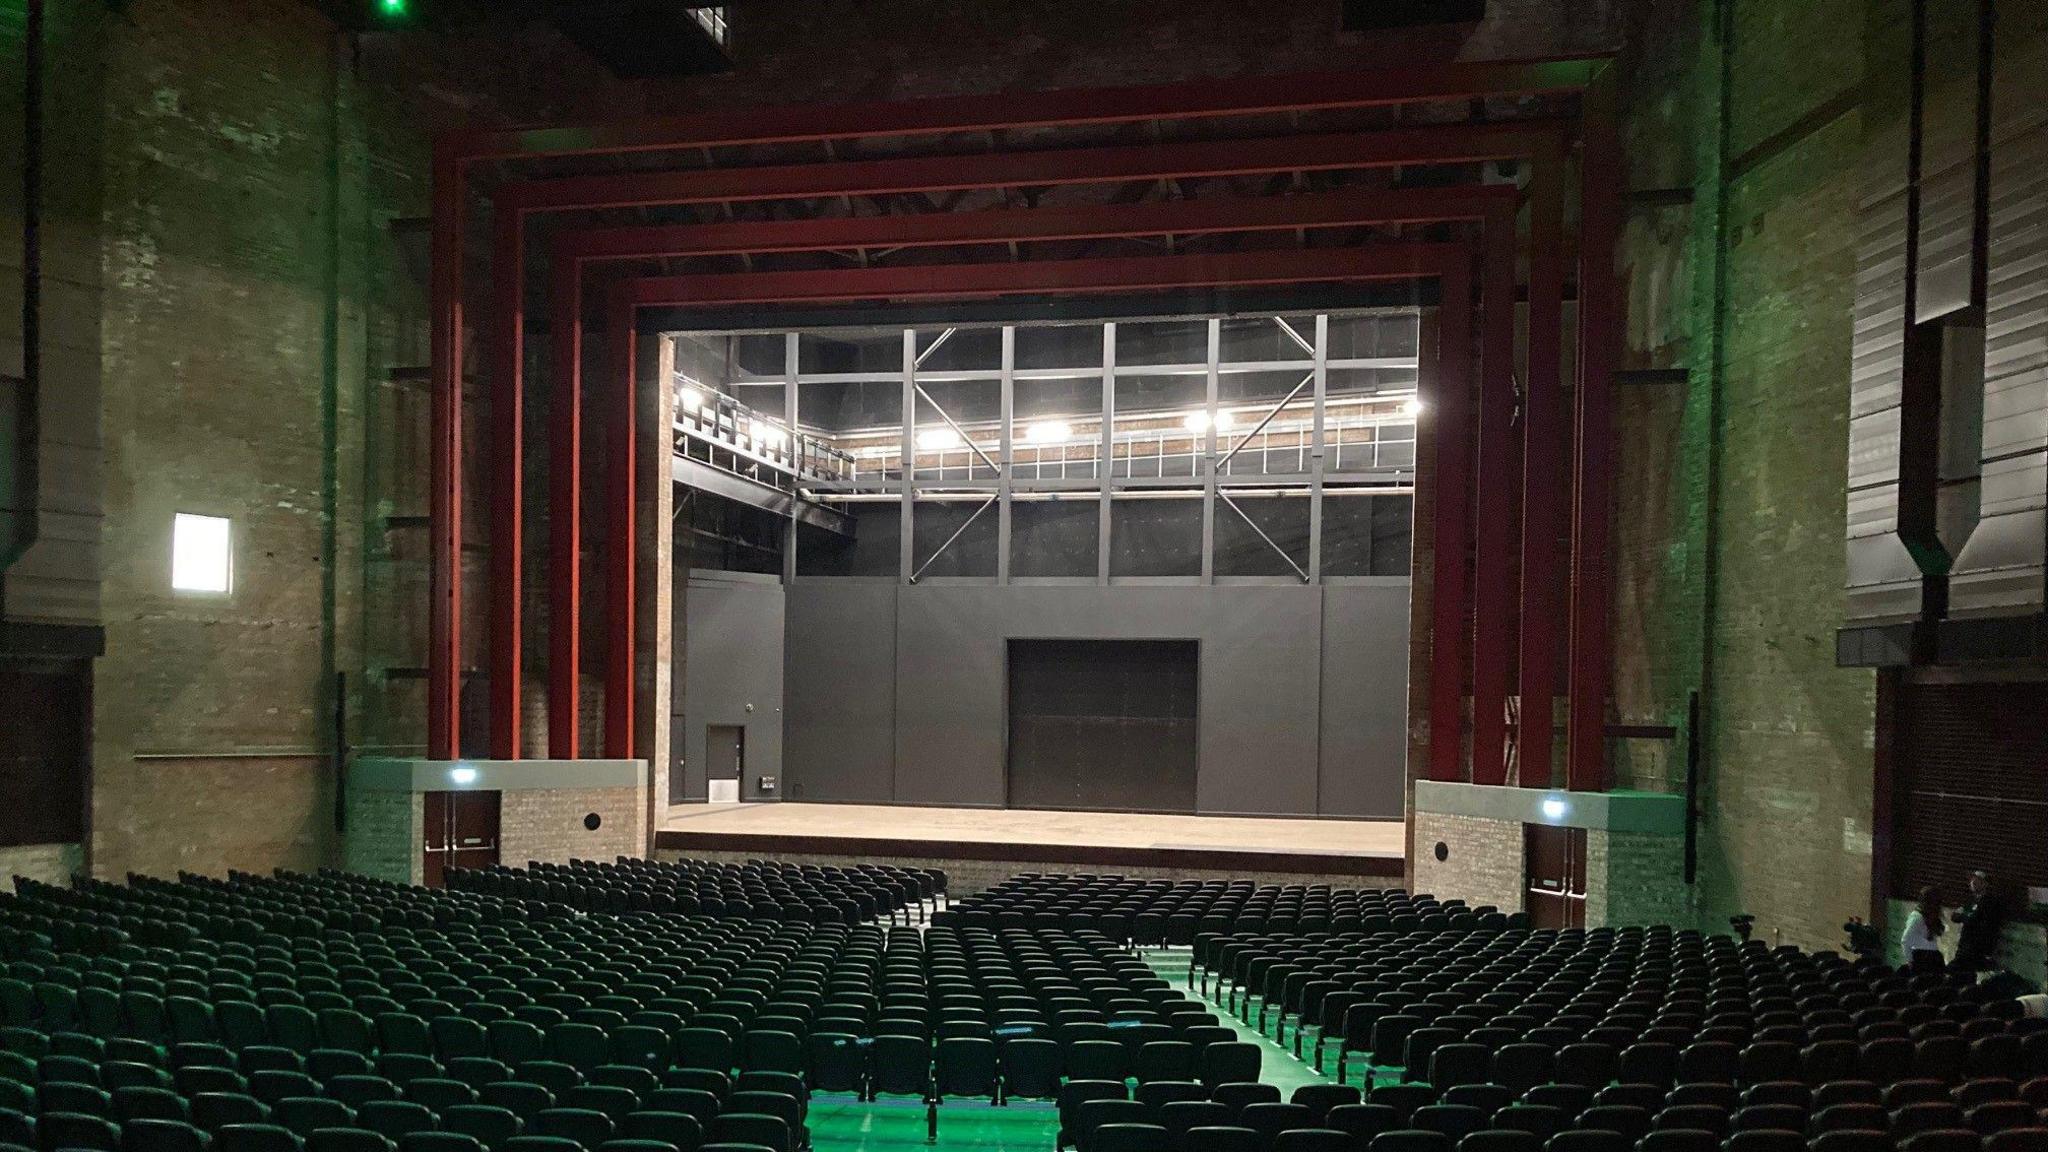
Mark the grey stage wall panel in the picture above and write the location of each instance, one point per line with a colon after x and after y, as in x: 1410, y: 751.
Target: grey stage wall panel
x: 1260, y: 673
x: 1365, y: 698
x: 735, y: 636
x: 950, y: 646
x: 839, y: 720
x: 1261, y: 660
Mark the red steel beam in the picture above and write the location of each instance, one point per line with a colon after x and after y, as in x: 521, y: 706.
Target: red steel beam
x: 1088, y: 222
x: 1444, y: 144
x: 1601, y: 178
x: 1500, y: 478
x: 1054, y: 277
x: 508, y: 466
x: 444, y: 628
x: 1450, y: 412
x: 565, y: 515
x: 1543, y: 479
x: 1198, y: 99
x: 1436, y: 144
x: 620, y: 457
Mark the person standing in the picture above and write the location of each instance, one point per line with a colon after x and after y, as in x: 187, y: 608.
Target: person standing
x: 1980, y: 924
x: 1924, y: 927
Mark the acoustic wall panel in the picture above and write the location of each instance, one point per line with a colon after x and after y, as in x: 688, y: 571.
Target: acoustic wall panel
x: 1999, y: 571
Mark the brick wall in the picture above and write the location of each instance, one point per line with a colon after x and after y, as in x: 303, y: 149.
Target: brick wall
x: 386, y: 830
x: 548, y: 824
x: 1729, y: 564
x: 1787, y: 791
x: 211, y: 712
x: 49, y: 863
x: 1484, y: 860
x: 1636, y: 878
x: 264, y: 315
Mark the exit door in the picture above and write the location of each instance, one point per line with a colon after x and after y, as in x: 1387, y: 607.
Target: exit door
x: 462, y: 832
x: 1555, y: 864
x: 725, y: 757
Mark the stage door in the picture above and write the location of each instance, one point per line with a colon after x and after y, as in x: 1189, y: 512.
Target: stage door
x: 1103, y: 724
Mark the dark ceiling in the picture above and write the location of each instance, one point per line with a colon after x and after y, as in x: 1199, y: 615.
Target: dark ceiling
x: 632, y: 38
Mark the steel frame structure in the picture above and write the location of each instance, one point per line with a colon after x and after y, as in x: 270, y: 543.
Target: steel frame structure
x: 999, y: 483
x: 1541, y: 465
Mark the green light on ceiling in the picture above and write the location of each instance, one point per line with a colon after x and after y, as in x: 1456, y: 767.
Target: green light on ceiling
x: 392, y: 9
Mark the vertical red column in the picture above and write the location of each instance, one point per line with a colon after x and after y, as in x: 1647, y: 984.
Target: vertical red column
x: 1543, y: 478
x: 508, y: 467
x: 1450, y: 409
x: 619, y: 543
x: 565, y: 508
x: 444, y: 501
x: 1499, y: 501
x: 1600, y: 177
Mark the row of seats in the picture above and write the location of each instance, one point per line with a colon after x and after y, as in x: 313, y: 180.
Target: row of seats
x: 418, y: 1028
x: 1157, y: 912
x: 1642, y: 1005
x: 756, y: 889
x: 1633, y: 1110
x: 1633, y: 1038
x: 430, y: 1013
x: 1013, y: 1013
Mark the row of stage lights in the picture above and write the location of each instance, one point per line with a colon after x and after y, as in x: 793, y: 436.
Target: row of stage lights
x: 1050, y: 432
x: 1042, y: 433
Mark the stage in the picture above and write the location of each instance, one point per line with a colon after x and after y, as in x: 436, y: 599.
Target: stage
x: 978, y: 846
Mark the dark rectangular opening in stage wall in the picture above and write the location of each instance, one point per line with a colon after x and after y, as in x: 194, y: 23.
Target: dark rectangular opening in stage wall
x: 1103, y: 725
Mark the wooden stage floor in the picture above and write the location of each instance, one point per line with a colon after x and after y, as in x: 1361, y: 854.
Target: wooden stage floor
x: 1033, y: 837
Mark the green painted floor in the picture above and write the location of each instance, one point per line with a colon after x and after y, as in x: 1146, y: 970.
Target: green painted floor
x: 839, y: 1123
x: 843, y: 1124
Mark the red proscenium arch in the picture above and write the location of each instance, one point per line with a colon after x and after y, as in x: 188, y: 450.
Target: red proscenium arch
x: 1170, y: 102
x: 1493, y: 206
x: 1542, y: 142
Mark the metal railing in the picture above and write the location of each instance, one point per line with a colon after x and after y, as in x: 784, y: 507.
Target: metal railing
x: 718, y: 429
